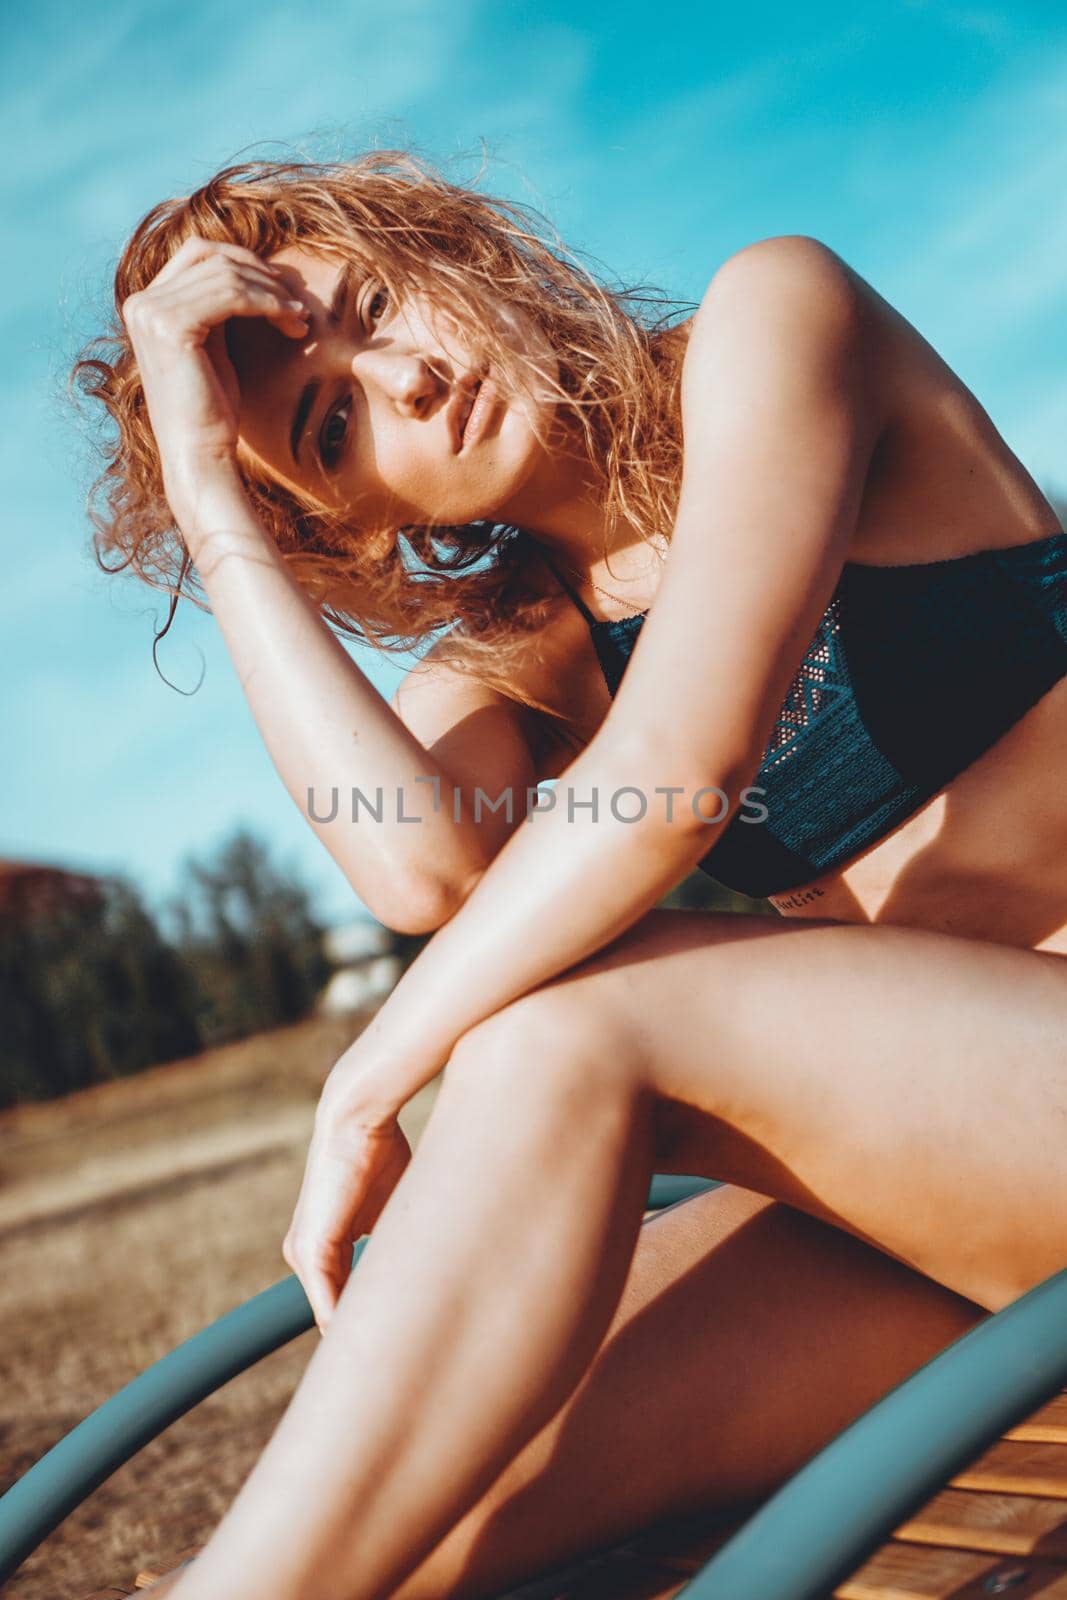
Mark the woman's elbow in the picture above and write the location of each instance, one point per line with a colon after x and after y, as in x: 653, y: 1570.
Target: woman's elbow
x: 426, y: 906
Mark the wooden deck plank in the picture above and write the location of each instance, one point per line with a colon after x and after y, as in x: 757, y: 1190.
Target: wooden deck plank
x: 1006, y: 1524
x: 1048, y: 1425
x: 1008, y: 1467
x: 915, y: 1572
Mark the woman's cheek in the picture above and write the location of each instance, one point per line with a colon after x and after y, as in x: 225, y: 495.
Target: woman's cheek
x: 406, y: 489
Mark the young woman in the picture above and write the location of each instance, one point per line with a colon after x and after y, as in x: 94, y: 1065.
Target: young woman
x: 360, y: 395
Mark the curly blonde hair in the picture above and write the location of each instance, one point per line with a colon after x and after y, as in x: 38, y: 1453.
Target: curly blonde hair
x: 616, y: 391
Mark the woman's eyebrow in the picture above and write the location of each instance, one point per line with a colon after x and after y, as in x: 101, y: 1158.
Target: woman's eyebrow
x: 301, y: 414
x: 346, y: 280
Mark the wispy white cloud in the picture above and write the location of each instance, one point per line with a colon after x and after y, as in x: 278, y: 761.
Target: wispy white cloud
x: 1000, y: 240
x: 982, y: 271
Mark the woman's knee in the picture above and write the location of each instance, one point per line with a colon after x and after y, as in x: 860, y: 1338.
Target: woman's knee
x: 548, y: 1041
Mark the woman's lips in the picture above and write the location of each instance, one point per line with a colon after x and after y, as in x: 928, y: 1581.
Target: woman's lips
x: 477, y: 418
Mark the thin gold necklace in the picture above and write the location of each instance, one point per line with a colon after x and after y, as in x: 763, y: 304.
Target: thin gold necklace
x: 605, y: 592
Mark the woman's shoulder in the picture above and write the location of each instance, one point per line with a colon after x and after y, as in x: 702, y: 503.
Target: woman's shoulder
x: 786, y: 333
x: 806, y: 276
x: 781, y: 282
x: 555, y: 695
x: 941, y: 480
x: 783, y: 265
x: 780, y: 263
x: 794, y: 290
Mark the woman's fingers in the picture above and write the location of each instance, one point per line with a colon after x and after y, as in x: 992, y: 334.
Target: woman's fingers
x: 190, y: 388
x: 194, y: 311
x: 188, y: 306
x: 319, y: 1243
x: 385, y: 1181
x: 347, y: 1183
x: 316, y: 1278
x: 322, y: 1289
x: 195, y: 250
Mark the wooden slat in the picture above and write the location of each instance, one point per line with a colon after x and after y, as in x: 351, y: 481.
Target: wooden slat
x: 1012, y: 1468
x: 917, y: 1572
x: 1049, y: 1425
x: 159, y: 1586
x: 164, y: 1585
x: 1007, y: 1524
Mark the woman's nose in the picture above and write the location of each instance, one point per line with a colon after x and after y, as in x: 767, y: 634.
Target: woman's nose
x: 405, y: 378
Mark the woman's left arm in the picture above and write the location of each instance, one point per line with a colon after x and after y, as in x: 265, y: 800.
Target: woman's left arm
x: 781, y: 411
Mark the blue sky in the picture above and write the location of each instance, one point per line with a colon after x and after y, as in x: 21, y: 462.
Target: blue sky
x: 925, y: 142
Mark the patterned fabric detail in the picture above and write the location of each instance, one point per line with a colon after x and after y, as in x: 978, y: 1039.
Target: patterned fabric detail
x: 820, y: 683
x: 826, y: 786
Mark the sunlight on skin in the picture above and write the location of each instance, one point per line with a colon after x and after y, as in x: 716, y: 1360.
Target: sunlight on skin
x: 391, y: 382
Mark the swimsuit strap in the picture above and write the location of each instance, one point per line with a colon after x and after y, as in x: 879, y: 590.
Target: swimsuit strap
x: 579, y: 602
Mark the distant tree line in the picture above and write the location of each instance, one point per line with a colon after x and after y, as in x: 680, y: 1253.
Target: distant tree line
x: 94, y: 989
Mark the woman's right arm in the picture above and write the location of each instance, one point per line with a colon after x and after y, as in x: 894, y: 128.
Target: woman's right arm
x: 328, y: 729
x: 324, y: 724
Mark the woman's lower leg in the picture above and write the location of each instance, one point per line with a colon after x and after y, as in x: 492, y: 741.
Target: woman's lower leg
x: 486, y: 1288
x: 748, y: 1335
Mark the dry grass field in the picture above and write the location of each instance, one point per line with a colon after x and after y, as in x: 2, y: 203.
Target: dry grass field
x: 132, y: 1214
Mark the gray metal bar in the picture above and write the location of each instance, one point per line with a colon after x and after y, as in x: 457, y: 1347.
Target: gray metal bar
x: 668, y: 1188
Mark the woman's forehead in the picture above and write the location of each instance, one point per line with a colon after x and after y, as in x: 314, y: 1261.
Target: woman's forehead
x: 309, y: 270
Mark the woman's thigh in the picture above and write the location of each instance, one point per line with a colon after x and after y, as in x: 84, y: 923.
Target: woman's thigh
x: 905, y: 1084
x: 747, y: 1336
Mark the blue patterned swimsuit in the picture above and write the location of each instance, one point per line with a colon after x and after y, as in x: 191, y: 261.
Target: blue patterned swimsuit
x: 913, y: 672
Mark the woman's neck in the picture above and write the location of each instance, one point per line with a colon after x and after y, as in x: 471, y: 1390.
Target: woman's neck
x: 562, y: 508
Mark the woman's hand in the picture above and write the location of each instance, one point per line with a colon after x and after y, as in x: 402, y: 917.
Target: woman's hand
x: 176, y: 329
x: 356, y: 1158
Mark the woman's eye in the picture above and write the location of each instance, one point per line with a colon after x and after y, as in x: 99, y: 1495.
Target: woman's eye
x: 334, y: 432
x: 376, y: 305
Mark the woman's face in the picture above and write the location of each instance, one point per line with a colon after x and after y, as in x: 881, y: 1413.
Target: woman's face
x: 371, y: 412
